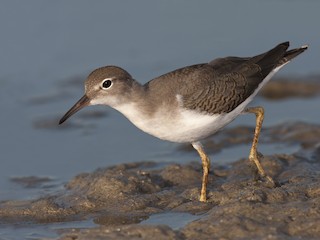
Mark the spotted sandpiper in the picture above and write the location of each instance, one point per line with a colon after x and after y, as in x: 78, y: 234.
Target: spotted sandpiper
x: 190, y: 103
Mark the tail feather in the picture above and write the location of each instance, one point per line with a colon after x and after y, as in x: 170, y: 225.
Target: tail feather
x: 270, y: 59
x: 268, y: 64
x: 292, y: 54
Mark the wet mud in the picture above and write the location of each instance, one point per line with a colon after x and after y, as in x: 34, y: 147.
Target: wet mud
x: 119, y: 198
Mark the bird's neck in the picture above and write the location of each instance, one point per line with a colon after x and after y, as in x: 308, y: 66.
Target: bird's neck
x: 135, y: 101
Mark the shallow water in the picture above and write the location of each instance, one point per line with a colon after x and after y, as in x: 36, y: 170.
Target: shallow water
x: 40, y: 231
x: 49, y: 47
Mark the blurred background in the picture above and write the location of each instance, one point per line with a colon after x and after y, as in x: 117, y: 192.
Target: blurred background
x: 49, y: 47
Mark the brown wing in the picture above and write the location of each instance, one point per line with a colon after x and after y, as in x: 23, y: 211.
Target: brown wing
x: 221, y: 85
x: 225, y: 83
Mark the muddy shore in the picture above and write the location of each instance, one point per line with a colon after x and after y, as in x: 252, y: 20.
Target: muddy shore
x: 119, y: 198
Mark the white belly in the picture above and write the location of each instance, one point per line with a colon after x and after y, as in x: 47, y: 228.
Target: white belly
x: 181, y: 126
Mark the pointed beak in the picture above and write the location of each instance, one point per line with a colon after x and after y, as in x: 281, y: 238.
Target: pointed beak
x: 83, y: 102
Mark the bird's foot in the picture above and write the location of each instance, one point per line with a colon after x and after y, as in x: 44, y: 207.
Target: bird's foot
x: 203, y: 198
x: 269, y: 182
x: 259, y: 173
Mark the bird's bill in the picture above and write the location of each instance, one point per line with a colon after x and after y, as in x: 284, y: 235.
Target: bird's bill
x: 83, y: 102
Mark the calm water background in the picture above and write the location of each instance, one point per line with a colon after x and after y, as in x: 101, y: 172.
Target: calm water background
x: 46, y: 44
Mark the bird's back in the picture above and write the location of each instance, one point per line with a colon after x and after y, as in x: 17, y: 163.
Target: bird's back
x: 222, y: 84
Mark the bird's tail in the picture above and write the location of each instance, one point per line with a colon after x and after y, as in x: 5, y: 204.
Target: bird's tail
x: 292, y: 54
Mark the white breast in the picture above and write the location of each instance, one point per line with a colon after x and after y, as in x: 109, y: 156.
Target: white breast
x: 180, y: 126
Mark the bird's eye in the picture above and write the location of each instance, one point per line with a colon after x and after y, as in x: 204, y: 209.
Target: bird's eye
x: 106, y: 84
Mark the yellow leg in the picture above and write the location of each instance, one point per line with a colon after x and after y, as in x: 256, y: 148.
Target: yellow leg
x: 206, y: 167
x: 253, y: 156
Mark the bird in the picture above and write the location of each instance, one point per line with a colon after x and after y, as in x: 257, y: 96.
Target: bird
x: 191, y: 103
